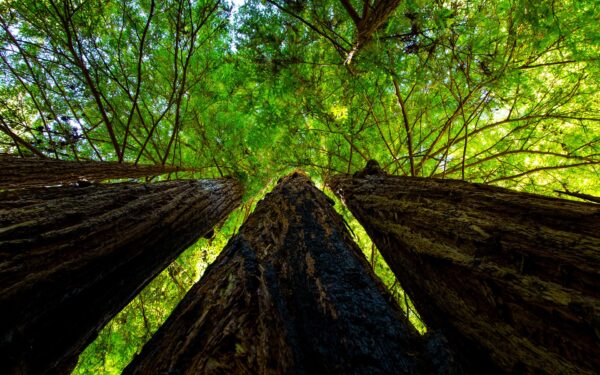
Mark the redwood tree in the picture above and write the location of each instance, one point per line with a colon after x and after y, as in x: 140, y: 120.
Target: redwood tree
x: 72, y: 257
x: 291, y: 293
x: 18, y: 172
x: 511, y: 278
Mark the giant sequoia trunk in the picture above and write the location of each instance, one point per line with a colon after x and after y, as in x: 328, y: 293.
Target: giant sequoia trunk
x: 29, y: 172
x: 72, y: 257
x: 511, y: 278
x: 291, y: 293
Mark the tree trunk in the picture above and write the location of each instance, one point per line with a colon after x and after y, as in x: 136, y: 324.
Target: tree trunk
x: 72, y: 257
x: 511, y: 278
x: 31, y: 172
x: 290, y: 294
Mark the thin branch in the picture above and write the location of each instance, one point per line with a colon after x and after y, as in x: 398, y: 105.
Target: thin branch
x: 587, y: 197
x: 543, y: 169
x: 407, y: 127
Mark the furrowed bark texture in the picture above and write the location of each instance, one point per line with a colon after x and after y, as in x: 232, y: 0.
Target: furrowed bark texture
x: 512, y: 279
x: 72, y: 257
x: 373, y: 17
x: 30, y: 172
x: 290, y: 294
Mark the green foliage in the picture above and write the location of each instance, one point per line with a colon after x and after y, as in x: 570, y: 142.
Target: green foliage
x: 500, y: 92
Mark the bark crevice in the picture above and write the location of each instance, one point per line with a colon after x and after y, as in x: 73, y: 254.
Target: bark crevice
x: 291, y: 293
x: 72, y: 257
x: 510, y: 278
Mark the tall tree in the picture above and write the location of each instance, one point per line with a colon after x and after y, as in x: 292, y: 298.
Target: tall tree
x: 511, y: 278
x: 291, y: 293
x: 72, y: 257
x: 497, y: 92
x: 31, y: 172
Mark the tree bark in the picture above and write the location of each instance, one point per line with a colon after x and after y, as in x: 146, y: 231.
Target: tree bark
x: 31, y: 172
x: 72, y: 257
x: 367, y: 24
x: 290, y: 294
x: 512, y: 279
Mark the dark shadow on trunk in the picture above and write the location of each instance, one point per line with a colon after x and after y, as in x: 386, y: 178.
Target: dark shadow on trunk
x: 290, y: 294
x: 512, y: 279
x: 72, y: 257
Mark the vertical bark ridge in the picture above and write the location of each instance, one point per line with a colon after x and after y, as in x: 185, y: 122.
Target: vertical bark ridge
x: 512, y: 279
x: 18, y: 172
x: 72, y: 257
x: 290, y: 293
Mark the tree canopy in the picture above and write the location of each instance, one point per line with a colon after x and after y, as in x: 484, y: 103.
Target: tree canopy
x: 501, y: 92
